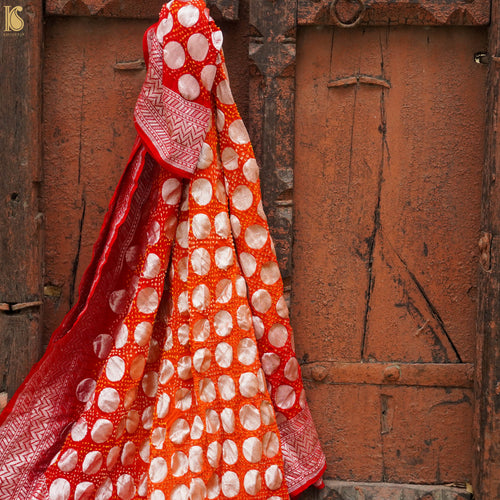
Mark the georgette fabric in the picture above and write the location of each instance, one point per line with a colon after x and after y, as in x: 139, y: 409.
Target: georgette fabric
x: 173, y: 377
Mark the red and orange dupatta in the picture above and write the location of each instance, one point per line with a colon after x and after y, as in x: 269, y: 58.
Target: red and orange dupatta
x: 173, y: 377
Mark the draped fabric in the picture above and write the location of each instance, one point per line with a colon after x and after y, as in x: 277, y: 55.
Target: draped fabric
x: 174, y: 376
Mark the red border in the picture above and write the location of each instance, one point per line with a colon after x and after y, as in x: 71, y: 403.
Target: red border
x: 295, y: 494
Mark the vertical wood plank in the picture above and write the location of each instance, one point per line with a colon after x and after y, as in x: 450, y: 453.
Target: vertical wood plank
x: 272, y: 103
x: 20, y: 220
x: 487, y: 380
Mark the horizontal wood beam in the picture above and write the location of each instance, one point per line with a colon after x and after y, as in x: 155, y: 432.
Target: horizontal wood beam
x: 383, y: 12
x: 222, y: 9
x: 409, y: 374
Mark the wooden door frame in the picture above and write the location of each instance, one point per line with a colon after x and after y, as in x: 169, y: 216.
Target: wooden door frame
x: 272, y: 128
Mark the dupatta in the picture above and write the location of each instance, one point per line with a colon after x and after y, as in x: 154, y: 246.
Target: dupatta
x: 173, y: 377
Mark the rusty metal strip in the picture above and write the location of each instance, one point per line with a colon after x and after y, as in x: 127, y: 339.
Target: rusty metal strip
x: 408, y: 374
x: 6, y: 307
x: 357, y: 79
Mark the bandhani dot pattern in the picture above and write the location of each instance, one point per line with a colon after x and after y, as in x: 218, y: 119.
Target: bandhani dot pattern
x: 184, y: 385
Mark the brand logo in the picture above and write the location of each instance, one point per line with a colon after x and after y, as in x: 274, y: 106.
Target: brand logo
x: 13, y: 21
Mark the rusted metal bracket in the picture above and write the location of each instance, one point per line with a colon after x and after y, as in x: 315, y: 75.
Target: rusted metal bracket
x: 357, y: 79
x: 7, y: 307
x: 345, y: 5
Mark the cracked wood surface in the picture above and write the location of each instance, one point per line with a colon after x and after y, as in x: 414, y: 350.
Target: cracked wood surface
x: 487, y: 380
x: 20, y: 217
x: 396, y: 12
x: 386, y: 196
x: 222, y: 9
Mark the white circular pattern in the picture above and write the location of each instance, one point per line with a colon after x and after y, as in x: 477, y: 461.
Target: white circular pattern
x: 105, y: 490
x: 292, y: 369
x: 59, y: 489
x: 92, y: 462
x: 224, y: 258
x: 144, y: 451
x: 251, y: 170
x: 85, y: 389
x: 174, y: 56
x: 229, y: 159
x: 113, y: 456
x: 166, y: 371
x: 242, y: 198
x: 169, y: 340
x: 229, y: 452
x: 270, y: 444
x: 224, y: 291
x: 183, y: 399
x: 224, y: 93
x: 101, y: 431
x: 214, y: 453
x: 206, y: 155
x: 212, y: 422
x: 220, y: 192
x: 184, y: 368
x: 207, y: 76
x: 202, y: 359
x: 147, y: 417
x: 132, y: 421
x: 220, y: 120
x: 143, y: 332
x: 150, y: 384
x: 182, y: 269
x: 197, y: 428
x: 179, y: 464
x: 217, y: 39
x: 235, y: 226
x: 262, y: 301
x: 227, y: 387
x: 179, y: 431
x: 201, y: 190
x: 197, y: 489
x: 252, y: 482
x: 274, y: 477
x: 213, y: 487
x: 221, y: 224
x: 285, y: 397
x: 201, y: 226
x: 152, y: 266
x: 115, y: 368
x: 68, y: 460
x: 157, y: 495
x: 197, y: 46
x: 247, y: 351
x: 200, y: 261
x: 201, y: 297
x: 196, y: 459
x: 79, y: 430
x: 270, y: 273
x: 180, y: 492
x: 189, y: 87
x: 170, y: 227
x: 278, y: 335
x: 267, y: 413
x: 154, y: 233
x: 256, y: 236
x: 147, y: 300
x: 84, y: 490
x: 158, y: 470
x: 183, y: 334
x: 223, y: 323
x: 228, y: 420
x: 207, y: 390
x: 238, y: 132
x: 102, y: 345
x: 248, y: 264
x: 163, y: 405
x: 128, y: 454
x: 172, y: 188
x: 270, y: 362
x: 182, y: 232
x: 248, y: 384
x: 258, y: 327
x: 164, y: 27
x: 249, y: 417
x: 108, y: 400
x: 224, y: 355
x: 183, y: 304
x: 244, y: 317
x: 282, y: 308
x: 252, y: 450
x: 230, y: 484
x: 188, y: 16
x: 121, y: 337
x: 201, y: 330
x: 118, y: 301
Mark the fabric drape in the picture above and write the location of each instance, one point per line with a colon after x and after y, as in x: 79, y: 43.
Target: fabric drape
x: 174, y: 376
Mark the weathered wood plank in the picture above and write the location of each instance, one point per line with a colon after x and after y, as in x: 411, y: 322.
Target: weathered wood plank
x: 20, y: 219
x: 225, y: 9
x: 487, y: 380
x: 384, y: 12
x: 272, y: 102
